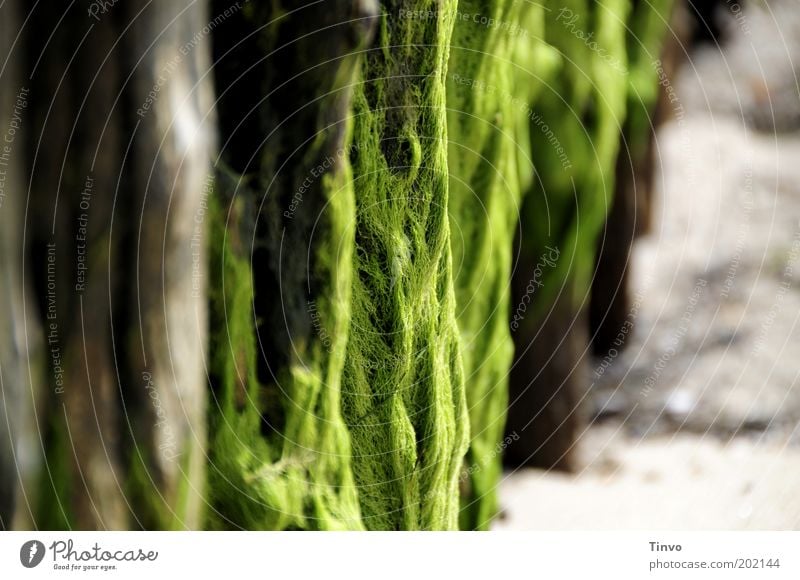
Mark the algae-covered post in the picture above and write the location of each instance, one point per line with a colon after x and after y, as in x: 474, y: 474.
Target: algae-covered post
x: 294, y: 304
x: 581, y: 113
x: 281, y: 250
x: 404, y: 398
x: 493, y: 73
x: 610, y: 308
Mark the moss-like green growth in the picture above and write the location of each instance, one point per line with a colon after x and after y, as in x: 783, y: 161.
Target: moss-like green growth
x: 403, y: 389
x: 606, y: 52
x: 281, y: 251
x: 298, y: 477
x: 575, y: 139
x: 361, y: 317
x: 544, y: 85
x: 582, y: 111
x: 145, y: 491
x: 606, y: 68
x: 646, y: 34
x: 360, y: 247
x: 489, y: 87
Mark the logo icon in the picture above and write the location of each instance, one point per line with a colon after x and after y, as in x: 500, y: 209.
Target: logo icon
x: 31, y: 553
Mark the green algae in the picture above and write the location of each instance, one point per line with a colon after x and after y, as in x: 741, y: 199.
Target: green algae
x: 649, y: 24
x: 359, y: 345
x: 281, y: 280
x: 488, y: 93
x: 404, y: 398
x: 548, y: 86
x: 601, y: 79
x: 398, y: 346
x: 300, y: 477
x: 584, y: 105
